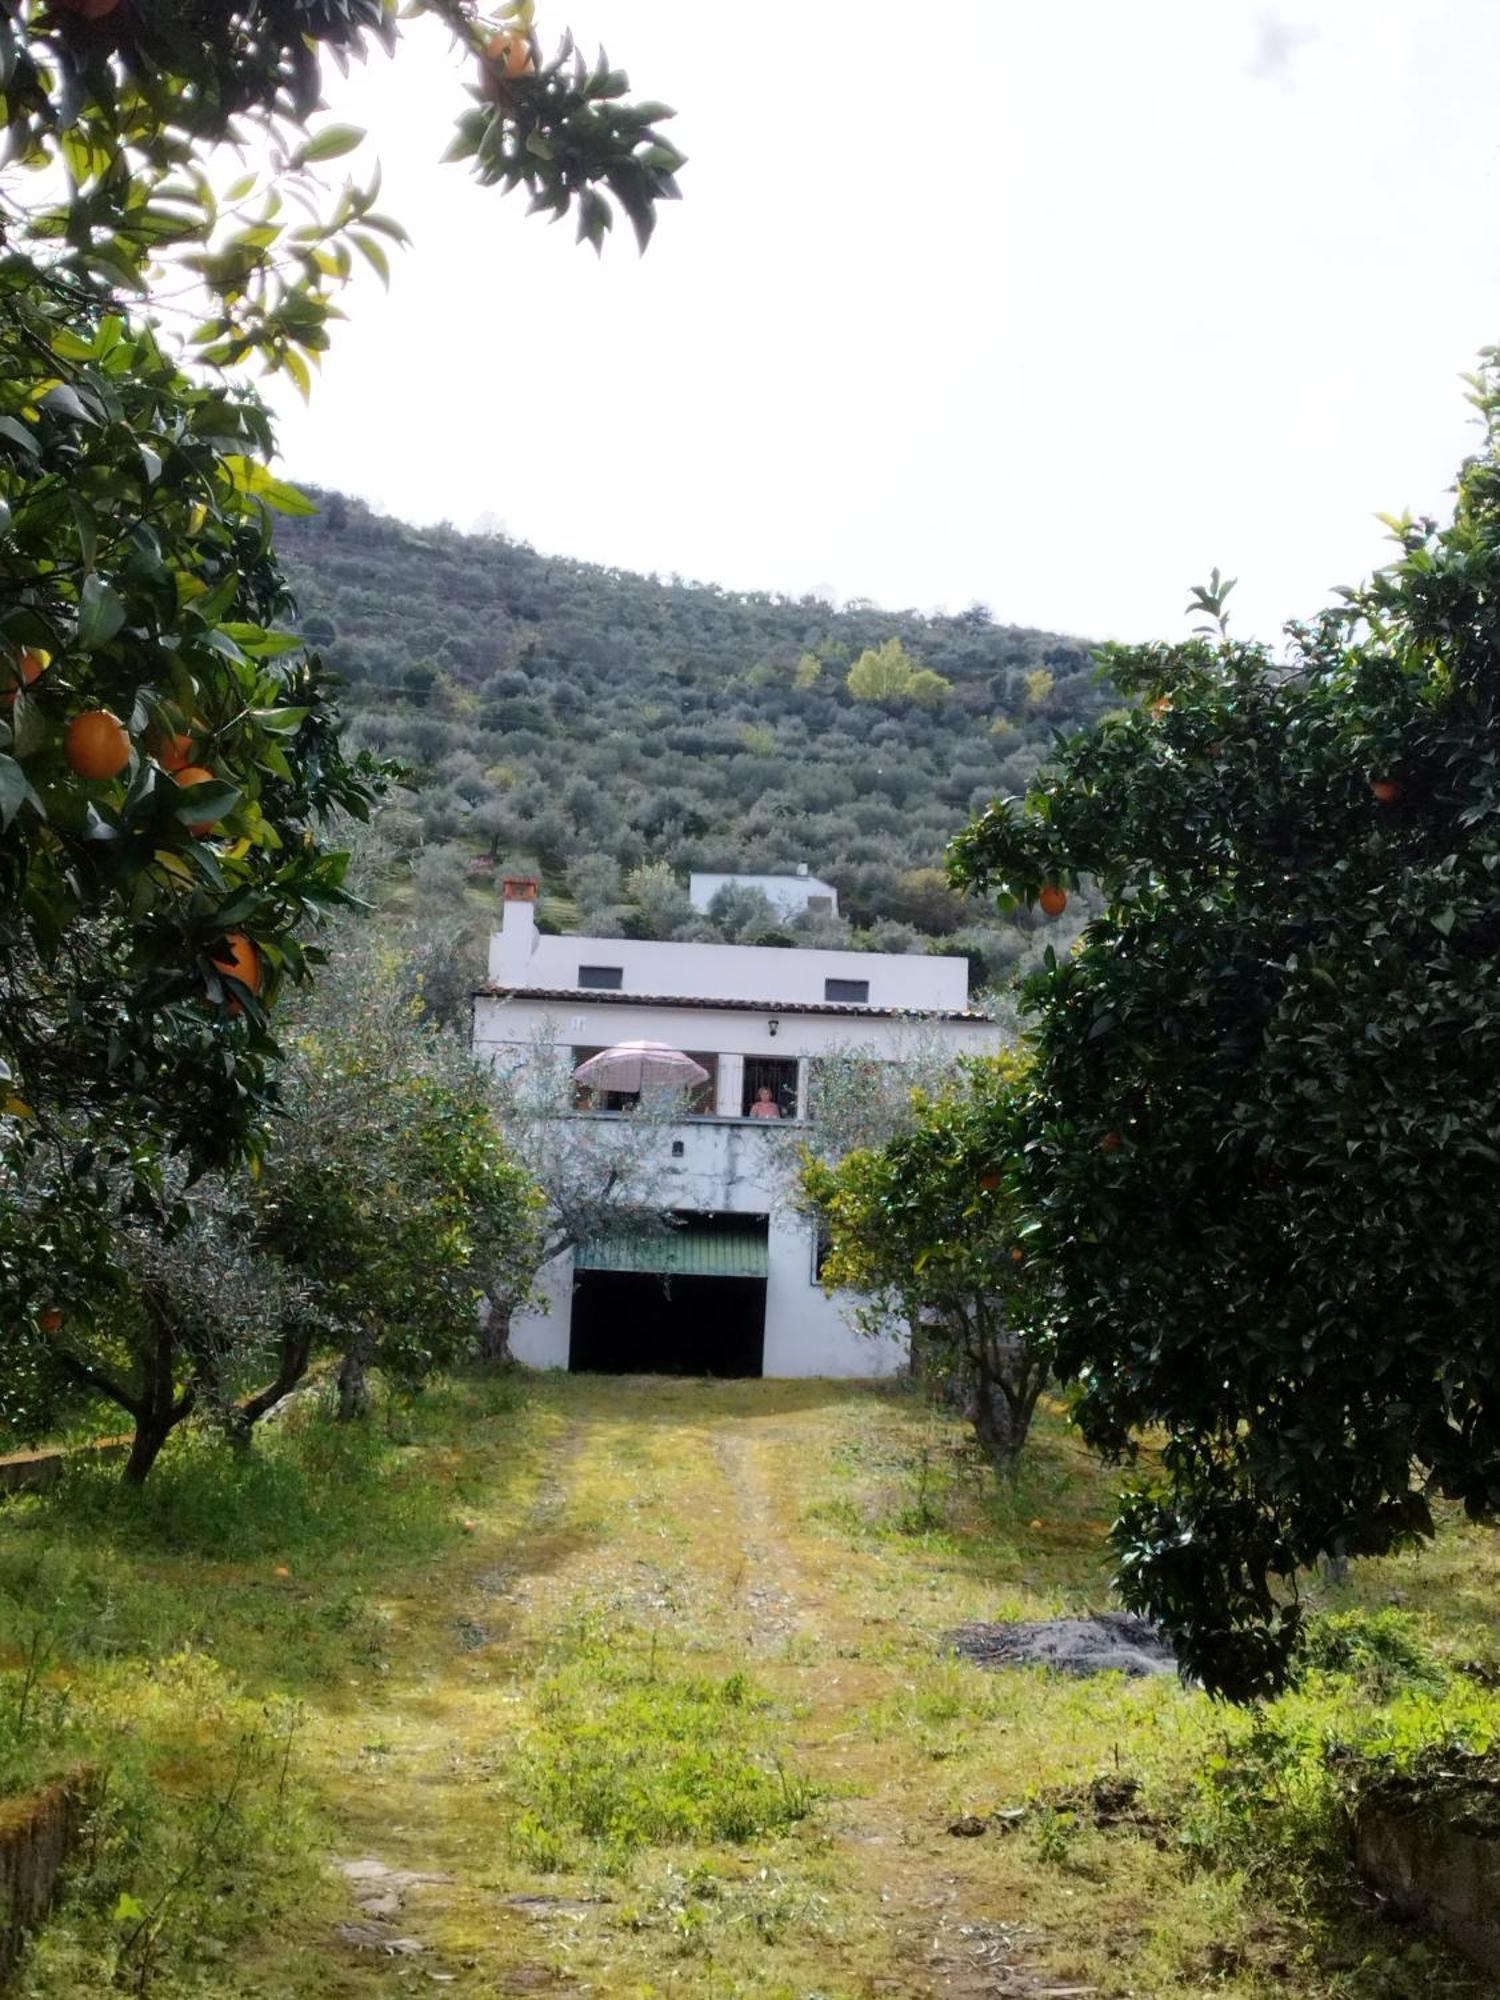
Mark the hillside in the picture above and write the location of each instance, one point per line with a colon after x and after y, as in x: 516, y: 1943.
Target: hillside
x: 592, y: 723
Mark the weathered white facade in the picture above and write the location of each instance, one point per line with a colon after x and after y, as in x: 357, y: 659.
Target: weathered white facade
x: 755, y: 1017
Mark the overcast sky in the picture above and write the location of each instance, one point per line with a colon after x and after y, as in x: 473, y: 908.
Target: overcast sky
x: 1047, y: 303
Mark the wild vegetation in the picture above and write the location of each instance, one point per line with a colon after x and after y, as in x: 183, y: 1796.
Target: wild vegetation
x: 645, y: 1684
x: 613, y: 732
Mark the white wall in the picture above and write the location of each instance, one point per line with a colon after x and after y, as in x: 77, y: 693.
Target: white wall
x: 731, y: 1166
x: 808, y: 1332
x: 520, y: 956
x: 728, y: 1164
x: 505, y: 1029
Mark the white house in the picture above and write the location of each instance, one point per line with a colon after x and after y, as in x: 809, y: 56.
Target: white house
x: 734, y: 1290
x: 788, y: 895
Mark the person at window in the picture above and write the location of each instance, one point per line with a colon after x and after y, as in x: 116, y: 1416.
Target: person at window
x: 765, y: 1105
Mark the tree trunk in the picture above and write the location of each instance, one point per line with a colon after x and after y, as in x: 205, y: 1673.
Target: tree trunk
x: 990, y: 1414
x: 494, y: 1335
x: 151, y: 1433
x: 296, y: 1354
x: 158, y: 1413
x: 354, y: 1389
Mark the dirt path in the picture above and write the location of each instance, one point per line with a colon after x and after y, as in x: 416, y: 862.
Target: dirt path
x: 683, y: 1537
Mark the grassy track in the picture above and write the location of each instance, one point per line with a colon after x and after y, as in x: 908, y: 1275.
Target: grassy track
x: 670, y: 1717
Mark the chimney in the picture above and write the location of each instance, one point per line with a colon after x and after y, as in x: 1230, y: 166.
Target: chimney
x: 512, y: 946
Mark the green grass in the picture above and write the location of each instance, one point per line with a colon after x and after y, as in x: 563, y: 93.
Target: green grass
x: 627, y: 1754
x: 177, y: 1639
x: 654, y: 1672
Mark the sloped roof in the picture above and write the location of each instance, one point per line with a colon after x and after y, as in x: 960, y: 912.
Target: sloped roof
x: 606, y: 997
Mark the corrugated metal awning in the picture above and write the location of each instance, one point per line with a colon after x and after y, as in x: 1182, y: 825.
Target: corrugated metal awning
x: 707, y: 1246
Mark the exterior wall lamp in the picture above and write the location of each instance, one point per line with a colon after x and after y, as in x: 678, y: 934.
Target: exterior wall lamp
x: 772, y: 1025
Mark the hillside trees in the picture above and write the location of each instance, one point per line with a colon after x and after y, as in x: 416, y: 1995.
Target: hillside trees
x: 669, y: 675
x: 889, y: 675
x: 1262, y: 1155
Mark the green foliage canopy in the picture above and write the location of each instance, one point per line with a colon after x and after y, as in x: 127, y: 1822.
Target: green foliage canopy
x: 1266, y: 1126
x: 889, y: 675
x: 924, y: 1227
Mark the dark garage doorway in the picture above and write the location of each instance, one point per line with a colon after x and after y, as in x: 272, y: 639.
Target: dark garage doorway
x: 645, y: 1323
x: 689, y: 1299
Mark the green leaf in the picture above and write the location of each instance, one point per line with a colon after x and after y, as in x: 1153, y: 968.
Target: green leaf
x: 101, y: 613
x: 213, y: 800
x: 15, y: 791
x: 374, y: 255
x: 329, y: 144
x: 17, y: 432
x: 127, y: 1910
x: 250, y: 477
x: 281, y: 721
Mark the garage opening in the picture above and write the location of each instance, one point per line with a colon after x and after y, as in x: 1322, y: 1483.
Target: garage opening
x: 689, y: 1301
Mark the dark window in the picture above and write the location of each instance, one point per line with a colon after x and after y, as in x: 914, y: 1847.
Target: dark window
x: 822, y: 1245
x: 857, y: 990
x: 605, y: 978
x: 777, y: 1078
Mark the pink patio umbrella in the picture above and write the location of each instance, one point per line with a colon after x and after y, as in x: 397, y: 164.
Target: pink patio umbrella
x: 635, y: 1065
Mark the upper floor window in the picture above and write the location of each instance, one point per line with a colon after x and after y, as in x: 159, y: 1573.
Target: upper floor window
x: 856, y: 990
x: 604, y: 978
x: 770, y: 1087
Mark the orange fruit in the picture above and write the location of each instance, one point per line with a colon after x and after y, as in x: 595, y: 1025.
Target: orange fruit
x: 174, y: 753
x: 1386, y: 790
x: 240, y: 959
x: 1110, y: 1143
x: 52, y: 1319
x: 1017, y: 1255
x: 1053, y: 900
x: 96, y: 744
x: 989, y: 1182
x: 506, y: 56
x: 1160, y: 706
x: 32, y: 664
x: 196, y: 774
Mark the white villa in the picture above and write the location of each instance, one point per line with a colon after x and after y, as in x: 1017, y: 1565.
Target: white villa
x: 734, y: 1289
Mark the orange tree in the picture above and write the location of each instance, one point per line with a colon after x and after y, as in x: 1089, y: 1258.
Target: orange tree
x: 169, y: 760
x: 923, y: 1229
x: 1261, y: 1156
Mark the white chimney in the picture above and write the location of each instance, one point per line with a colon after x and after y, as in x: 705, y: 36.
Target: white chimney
x: 512, y: 946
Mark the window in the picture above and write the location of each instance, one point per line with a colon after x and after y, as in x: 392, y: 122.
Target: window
x: 855, y: 990
x: 603, y: 978
x: 769, y: 1081
x: 703, y: 1098
x: 822, y: 1244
